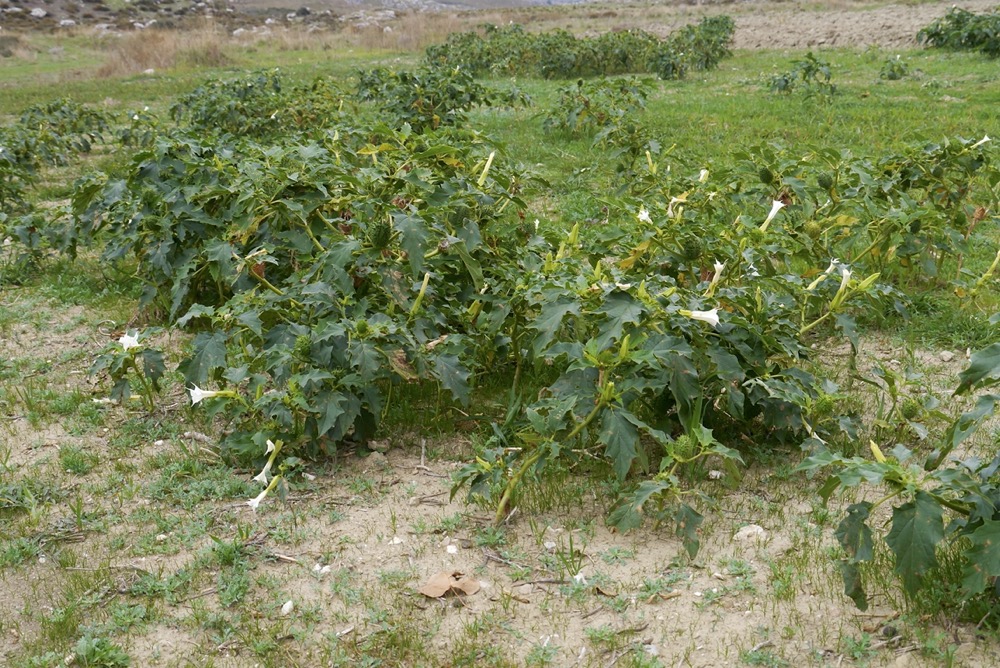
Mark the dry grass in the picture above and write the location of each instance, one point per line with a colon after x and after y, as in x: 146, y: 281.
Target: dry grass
x: 412, y: 32
x: 164, y: 49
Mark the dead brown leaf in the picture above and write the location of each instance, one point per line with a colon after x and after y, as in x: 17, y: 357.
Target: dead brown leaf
x: 449, y: 582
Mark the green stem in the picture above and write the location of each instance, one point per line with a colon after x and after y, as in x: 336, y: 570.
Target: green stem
x: 312, y: 237
x: 815, y: 322
x: 885, y: 498
x: 147, y: 391
x: 270, y: 286
x: 532, y: 460
x: 878, y: 240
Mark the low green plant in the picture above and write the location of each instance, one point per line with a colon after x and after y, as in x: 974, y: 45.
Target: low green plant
x: 589, y: 106
x: 944, y: 499
x: 91, y: 652
x: 894, y: 69
x: 133, y: 366
x: 811, y: 76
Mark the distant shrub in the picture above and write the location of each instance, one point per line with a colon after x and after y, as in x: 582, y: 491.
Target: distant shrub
x: 560, y: 55
x: 962, y: 30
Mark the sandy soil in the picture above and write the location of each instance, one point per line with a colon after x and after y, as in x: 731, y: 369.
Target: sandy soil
x: 351, y: 548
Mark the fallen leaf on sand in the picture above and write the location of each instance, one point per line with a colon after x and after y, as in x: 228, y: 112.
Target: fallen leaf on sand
x: 449, y: 582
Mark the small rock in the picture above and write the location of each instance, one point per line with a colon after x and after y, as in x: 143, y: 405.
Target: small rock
x: 751, y: 532
x: 524, y: 589
x: 149, y: 71
x: 39, y: 13
x: 946, y: 355
x: 379, y: 446
x: 238, y: 32
x: 549, y: 546
x: 376, y: 459
x: 715, y: 475
x: 287, y: 608
x: 452, y: 549
x: 67, y: 23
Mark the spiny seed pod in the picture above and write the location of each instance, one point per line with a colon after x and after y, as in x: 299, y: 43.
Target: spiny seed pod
x: 915, y: 226
x: 683, y: 446
x: 824, y: 405
x: 911, y: 408
x: 812, y: 229
x: 302, y: 345
x: 824, y: 181
x: 766, y: 175
x: 692, y: 248
x: 379, y: 234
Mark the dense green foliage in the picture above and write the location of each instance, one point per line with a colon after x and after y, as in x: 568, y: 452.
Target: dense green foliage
x: 510, y: 50
x: 431, y: 96
x: 962, y: 30
x: 327, y: 249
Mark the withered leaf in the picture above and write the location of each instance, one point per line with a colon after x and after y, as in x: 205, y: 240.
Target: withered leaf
x: 449, y: 582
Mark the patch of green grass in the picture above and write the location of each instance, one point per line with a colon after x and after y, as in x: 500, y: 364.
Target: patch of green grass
x: 189, y: 482
x: 76, y: 460
x: 17, y: 551
x: 763, y: 657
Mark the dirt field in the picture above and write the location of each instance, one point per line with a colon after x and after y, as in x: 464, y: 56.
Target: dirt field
x: 759, y: 24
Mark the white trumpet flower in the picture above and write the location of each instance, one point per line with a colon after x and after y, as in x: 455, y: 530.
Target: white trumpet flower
x: 982, y: 141
x: 711, y: 317
x: 254, y: 502
x: 198, y: 395
x: 776, y: 206
x: 719, y: 268
x: 129, y: 341
x: 703, y: 176
x: 272, y: 450
x: 644, y: 216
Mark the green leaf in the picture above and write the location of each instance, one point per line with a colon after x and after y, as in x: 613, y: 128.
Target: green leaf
x: 209, y: 355
x: 849, y: 327
x: 853, y: 587
x: 475, y: 270
x: 684, y: 385
x: 333, y: 409
x: 727, y: 364
x: 549, y: 321
x: 828, y: 488
x: 917, y: 528
x: 196, y: 311
x: 983, y: 370
x: 983, y: 558
x: 153, y: 366
x: 251, y: 320
x: 619, y: 309
x: 628, y: 514
x: 453, y: 376
x: 413, y: 238
x: 688, y: 526
x: 853, y: 533
x: 969, y: 421
x: 620, y: 438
